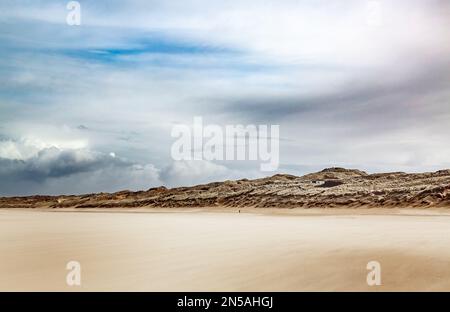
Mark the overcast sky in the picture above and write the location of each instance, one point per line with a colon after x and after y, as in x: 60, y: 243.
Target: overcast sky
x: 90, y: 108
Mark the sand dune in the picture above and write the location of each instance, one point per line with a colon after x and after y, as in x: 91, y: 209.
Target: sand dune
x: 333, y: 187
x: 206, y: 251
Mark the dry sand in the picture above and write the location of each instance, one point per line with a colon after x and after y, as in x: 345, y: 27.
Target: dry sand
x: 213, y: 251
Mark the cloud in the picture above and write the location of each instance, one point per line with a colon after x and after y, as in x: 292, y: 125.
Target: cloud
x: 198, y: 172
x: 53, y: 170
x: 342, y: 91
x: 54, y: 163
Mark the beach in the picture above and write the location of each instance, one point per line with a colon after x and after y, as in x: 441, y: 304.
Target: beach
x: 204, y: 250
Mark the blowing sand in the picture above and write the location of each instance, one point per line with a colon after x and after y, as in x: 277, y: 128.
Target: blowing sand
x: 209, y: 251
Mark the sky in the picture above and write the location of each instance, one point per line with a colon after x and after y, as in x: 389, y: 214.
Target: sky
x: 90, y: 108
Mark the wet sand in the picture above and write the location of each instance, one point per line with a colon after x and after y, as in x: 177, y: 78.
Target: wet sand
x: 213, y: 251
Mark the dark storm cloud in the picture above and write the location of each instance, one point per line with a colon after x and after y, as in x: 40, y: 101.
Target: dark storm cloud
x: 73, y: 171
x: 56, y: 163
x: 360, y: 98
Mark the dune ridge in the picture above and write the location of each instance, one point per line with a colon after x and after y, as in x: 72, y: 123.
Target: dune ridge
x: 331, y: 187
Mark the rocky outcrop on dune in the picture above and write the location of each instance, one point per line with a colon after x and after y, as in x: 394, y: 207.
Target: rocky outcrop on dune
x: 332, y: 187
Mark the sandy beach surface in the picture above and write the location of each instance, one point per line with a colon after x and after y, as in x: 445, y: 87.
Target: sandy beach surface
x: 213, y: 251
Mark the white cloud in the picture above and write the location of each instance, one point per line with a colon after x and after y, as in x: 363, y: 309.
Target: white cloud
x: 29, y: 146
x: 195, y: 172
